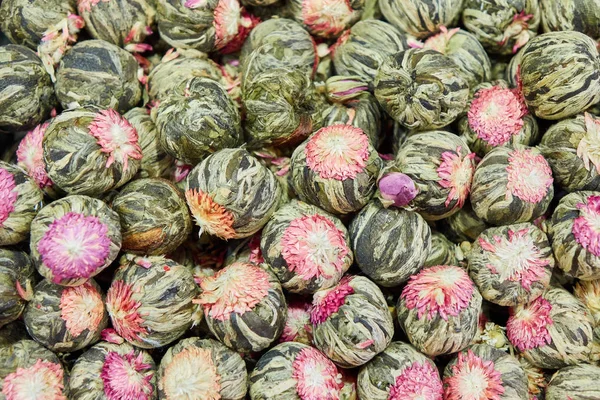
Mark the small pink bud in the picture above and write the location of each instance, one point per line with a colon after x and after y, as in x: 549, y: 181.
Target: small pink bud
x: 399, y: 188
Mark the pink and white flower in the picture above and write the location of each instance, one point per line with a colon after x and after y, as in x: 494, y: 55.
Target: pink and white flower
x: 297, y: 326
x: 232, y: 25
x: 86, y: 5
x: 127, y: 376
x: 420, y: 380
x: 440, y: 41
x: 473, y: 378
x: 30, y: 156
x: 123, y: 310
x: 191, y: 374
x: 317, y: 378
x: 456, y: 173
x: 529, y: 176
x: 116, y: 137
x: 586, y: 227
x: 328, y: 301
x: 44, y: 380
x: 327, y: 17
x: 81, y: 308
x: 518, y: 30
x: 8, y: 194
x: 527, y: 326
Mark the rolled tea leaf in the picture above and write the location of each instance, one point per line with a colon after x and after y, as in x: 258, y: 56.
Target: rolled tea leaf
x: 421, y: 18
x: 571, y: 15
x: 462, y: 226
x: 16, y: 281
x: 443, y: 252
x: 576, y: 382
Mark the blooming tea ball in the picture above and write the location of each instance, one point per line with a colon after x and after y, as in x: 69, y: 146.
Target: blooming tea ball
x: 297, y: 326
x: 511, y: 185
x: 439, y: 310
x: 73, y: 239
x: 575, y: 235
x: 231, y: 194
x: 490, y: 373
x: 91, y: 152
x: 572, y: 148
x: 244, y: 306
x: 421, y: 18
x: 390, y: 244
x: 575, y: 382
x: 571, y: 15
x: 351, y: 321
x: 26, y: 92
x: 553, y: 331
x: 306, y: 248
x: 421, y: 89
x: 16, y: 280
x: 21, y: 201
x: 399, y: 372
x: 113, y: 371
x: 443, y: 252
x: 559, y: 72
x: 66, y: 319
x: 325, y: 19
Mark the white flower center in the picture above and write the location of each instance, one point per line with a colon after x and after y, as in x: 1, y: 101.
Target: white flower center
x: 473, y: 384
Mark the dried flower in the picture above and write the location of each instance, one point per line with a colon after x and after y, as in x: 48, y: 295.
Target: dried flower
x: 325, y: 18
x: 30, y: 157
x: 297, y: 326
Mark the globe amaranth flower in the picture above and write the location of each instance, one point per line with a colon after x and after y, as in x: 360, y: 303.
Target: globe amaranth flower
x: 124, y: 310
x: 473, y: 378
x: 209, y: 215
x: 127, y: 376
x: 528, y: 327
x: 81, y: 308
x: 8, y: 194
x: 316, y: 376
x: 42, y: 380
x: 529, y: 176
x: 328, y: 302
x: 30, y: 156
x: 456, y: 173
x: 420, y: 380
x: 586, y: 227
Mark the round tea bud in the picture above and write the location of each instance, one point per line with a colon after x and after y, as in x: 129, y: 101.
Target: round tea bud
x: 231, y: 194
x: 66, y: 319
x: 26, y: 92
x: 21, y: 201
x: 326, y: 19
x: 497, y: 116
x: 553, y: 331
x: 306, y: 248
x: 198, y: 120
x: 421, y: 89
x: 567, y: 15
x: 572, y: 148
x: 150, y: 300
x: 443, y: 252
x: 588, y: 292
x: 113, y: 371
x: 244, y: 306
x: 390, y: 244
x: 512, y: 184
x: 464, y: 225
x: 559, y: 73
x: 491, y: 373
x: 91, y: 152
x: 433, y: 303
x: 295, y: 371
x: 98, y: 73
x: 421, y: 18
x: 399, y: 372
x: 336, y: 169
x: 351, y: 321
x: 575, y: 235
x: 16, y: 280
x: 575, y: 382
x: 297, y: 326
x: 198, y: 368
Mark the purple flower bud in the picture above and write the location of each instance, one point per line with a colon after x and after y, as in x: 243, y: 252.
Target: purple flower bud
x: 398, y: 187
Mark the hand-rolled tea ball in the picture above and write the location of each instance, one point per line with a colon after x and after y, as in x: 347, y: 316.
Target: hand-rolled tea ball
x: 439, y: 310
x: 150, y: 300
x: 553, y: 331
x: 231, y: 194
x: 390, y: 244
x: 575, y: 382
x: 490, y: 373
x: 113, y: 371
x: 91, y: 152
x: 12, y: 333
x: 21, y: 201
x: 399, y: 372
x: 326, y: 19
x: 198, y: 120
x: 295, y: 371
x: 572, y: 148
x: 16, y: 280
x: 463, y: 225
x: 421, y: 18
x: 98, y: 73
x: 571, y: 15
x: 336, y: 169
x: 244, y: 306
x: 559, y: 73
x: 588, y: 292
x: 511, y: 264
x: 26, y: 92
x: 351, y: 321
x: 306, y: 248
x: 421, y: 89
x: 575, y: 235
x: 497, y: 116
x: 297, y: 326
x: 73, y: 239
x: 443, y: 252
x: 512, y: 184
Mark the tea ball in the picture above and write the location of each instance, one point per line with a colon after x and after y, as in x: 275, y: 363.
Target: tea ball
x: 421, y: 18
x: 12, y: 333
x: 17, y: 278
x: 577, y: 382
x: 443, y: 252
x: 463, y: 225
x: 297, y: 326
x: 588, y: 292
x: 565, y: 15
x: 73, y: 239
x: 325, y: 19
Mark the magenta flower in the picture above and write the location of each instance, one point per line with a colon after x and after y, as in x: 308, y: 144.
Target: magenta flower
x: 317, y: 378
x: 586, y: 227
x: 8, y: 194
x: 417, y: 381
x: 473, y: 378
x: 117, y: 138
x: 329, y: 301
x: 127, y: 376
x: 398, y: 188
x: 529, y: 176
x: 123, y: 310
x: 527, y: 326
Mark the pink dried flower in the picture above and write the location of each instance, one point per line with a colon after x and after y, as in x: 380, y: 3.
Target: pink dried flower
x: 181, y: 170
x: 86, y: 5
x: 81, y: 308
x: 30, y: 155
x: 43, y: 381
x: 256, y: 256
x: 440, y: 290
x: 398, y: 188
x: 529, y: 176
x: 527, y: 328
x: 127, y: 377
x: 123, y: 311
x: 317, y: 378
x: 474, y: 379
x: 111, y: 336
x: 8, y: 194
x: 209, y: 215
x: 297, y: 323
x: 327, y: 17
x: 116, y: 137
x: 420, y: 380
x: 456, y: 174
x: 232, y: 25
x: 589, y: 145
x: 440, y: 41
x: 586, y: 227
x: 192, y: 374
x: 519, y: 30
x: 329, y: 301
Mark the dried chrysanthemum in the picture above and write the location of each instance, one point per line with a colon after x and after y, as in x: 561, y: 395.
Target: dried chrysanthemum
x: 433, y: 303
x: 325, y: 18
x: 463, y: 225
x: 26, y: 92
x: 154, y: 216
x: 421, y: 18
x: 572, y: 148
x: 351, y: 321
x: 553, y: 331
x: 512, y: 184
x: 588, y: 292
x: 244, y: 306
x: 66, y: 319
x: 575, y: 382
x: 400, y: 372
x: 150, y: 300
x: 297, y: 326
x: 91, y: 152
x: 575, y: 235
x: 16, y: 281
x: 21, y: 199
x: 443, y: 252
x: 113, y: 371
x: 390, y: 244
x: 559, y: 72
x: 307, y: 248
x: 73, y: 239
x: 201, y: 369
x: 571, y: 15
x: 295, y: 371
x: 231, y: 194
x: 484, y: 372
